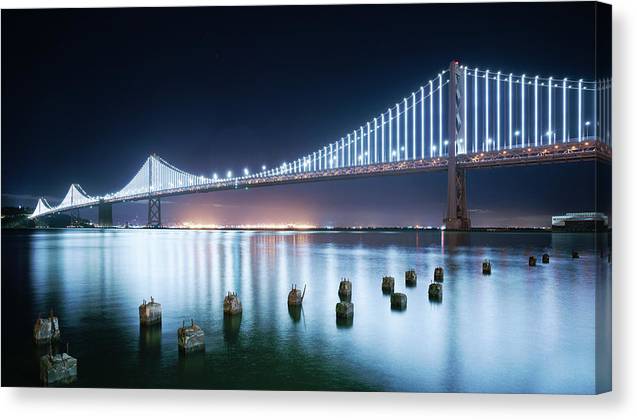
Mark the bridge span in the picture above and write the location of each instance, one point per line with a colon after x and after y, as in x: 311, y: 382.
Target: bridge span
x: 490, y: 120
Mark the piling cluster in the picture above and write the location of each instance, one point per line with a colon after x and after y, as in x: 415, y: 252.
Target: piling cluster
x: 62, y: 367
x: 54, y: 367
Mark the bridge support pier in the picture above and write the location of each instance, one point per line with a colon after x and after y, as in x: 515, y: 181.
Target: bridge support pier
x: 105, y: 215
x: 457, y: 213
x: 154, y: 212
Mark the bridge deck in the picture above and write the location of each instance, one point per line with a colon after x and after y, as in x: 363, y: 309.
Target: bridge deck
x: 559, y: 153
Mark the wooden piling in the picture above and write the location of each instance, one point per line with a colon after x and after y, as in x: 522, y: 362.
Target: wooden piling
x: 232, y: 304
x: 387, y: 285
x: 150, y: 312
x: 190, y: 338
x: 345, y: 290
x: 439, y: 274
x: 398, y: 301
x: 410, y: 278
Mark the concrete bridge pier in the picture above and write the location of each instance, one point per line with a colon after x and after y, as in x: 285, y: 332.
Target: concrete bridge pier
x: 105, y: 214
x: 457, y: 217
x: 154, y: 212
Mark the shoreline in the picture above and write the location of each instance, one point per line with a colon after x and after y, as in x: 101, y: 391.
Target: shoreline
x: 329, y: 229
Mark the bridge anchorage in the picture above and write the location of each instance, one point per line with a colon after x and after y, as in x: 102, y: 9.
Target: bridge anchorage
x: 464, y: 118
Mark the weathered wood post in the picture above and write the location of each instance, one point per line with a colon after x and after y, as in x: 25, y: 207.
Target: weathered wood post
x: 398, y: 301
x: 387, y: 285
x: 545, y: 258
x: 46, y: 330
x: 190, y: 338
x: 232, y: 304
x: 410, y: 278
x: 439, y: 274
x: 575, y: 254
x: 344, y: 310
x: 532, y: 261
x: 295, y: 297
x: 486, y: 267
x: 345, y: 290
x: 149, y: 312
x: 435, y: 291
x: 58, y: 368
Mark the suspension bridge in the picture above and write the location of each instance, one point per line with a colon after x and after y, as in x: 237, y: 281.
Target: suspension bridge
x: 464, y: 118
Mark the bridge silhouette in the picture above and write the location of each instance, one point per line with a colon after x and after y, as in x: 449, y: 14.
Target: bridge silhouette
x: 462, y: 119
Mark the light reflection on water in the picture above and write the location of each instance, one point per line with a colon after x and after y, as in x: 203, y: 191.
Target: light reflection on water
x: 522, y: 329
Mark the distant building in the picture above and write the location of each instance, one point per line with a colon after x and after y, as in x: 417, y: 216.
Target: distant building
x: 580, y: 222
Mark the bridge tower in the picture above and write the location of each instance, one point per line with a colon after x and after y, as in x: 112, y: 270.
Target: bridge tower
x: 457, y: 213
x: 105, y: 214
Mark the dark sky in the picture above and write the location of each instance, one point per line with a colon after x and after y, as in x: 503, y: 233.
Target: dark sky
x: 88, y: 94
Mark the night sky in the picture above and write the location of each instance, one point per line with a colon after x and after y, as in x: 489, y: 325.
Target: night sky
x: 88, y: 94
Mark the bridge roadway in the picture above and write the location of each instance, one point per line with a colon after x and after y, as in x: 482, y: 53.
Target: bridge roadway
x: 587, y: 150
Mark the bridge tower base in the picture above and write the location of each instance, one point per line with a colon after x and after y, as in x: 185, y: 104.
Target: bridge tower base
x: 154, y: 213
x: 105, y: 215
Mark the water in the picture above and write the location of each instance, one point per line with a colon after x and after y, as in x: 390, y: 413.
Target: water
x: 522, y: 329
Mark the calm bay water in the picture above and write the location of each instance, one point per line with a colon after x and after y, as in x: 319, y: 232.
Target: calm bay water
x: 522, y: 329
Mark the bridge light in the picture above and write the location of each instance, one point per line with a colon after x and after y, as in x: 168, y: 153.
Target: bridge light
x: 517, y: 132
x: 263, y: 167
x: 229, y: 174
x: 246, y: 171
